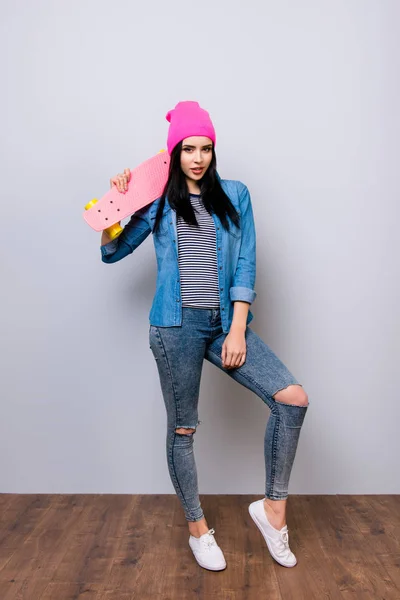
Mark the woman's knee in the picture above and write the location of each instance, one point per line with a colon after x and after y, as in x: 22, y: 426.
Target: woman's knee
x: 184, y: 431
x: 293, y: 394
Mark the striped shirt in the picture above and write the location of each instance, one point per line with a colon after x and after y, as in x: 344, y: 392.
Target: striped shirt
x: 197, y: 258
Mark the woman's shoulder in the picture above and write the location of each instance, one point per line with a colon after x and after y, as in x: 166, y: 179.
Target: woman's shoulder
x: 234, y: 183
x: 233, y: 186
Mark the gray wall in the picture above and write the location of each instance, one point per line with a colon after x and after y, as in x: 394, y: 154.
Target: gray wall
x: 304, y: 98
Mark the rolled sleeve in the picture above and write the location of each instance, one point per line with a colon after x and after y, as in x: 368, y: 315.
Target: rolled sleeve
x: 109, y: 248
x: 242, y: 294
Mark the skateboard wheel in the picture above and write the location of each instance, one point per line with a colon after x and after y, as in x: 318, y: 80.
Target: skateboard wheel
x: 90, y: 204
x: 114, y: 231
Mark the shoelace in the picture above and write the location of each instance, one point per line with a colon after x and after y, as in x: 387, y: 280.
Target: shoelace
x: 208, y: 539
x: 285, y: 538
x: 284, y: 549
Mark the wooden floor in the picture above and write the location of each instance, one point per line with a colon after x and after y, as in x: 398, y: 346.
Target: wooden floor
x: 121, y: 547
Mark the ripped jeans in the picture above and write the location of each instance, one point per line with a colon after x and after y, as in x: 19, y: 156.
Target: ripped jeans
x: 179, y: 353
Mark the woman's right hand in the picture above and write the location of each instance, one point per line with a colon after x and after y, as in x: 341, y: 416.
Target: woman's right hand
x: 121, y: 180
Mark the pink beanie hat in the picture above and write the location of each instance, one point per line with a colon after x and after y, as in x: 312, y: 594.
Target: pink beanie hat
x: 187, y: 119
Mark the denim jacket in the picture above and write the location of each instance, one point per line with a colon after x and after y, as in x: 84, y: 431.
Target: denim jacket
x: 236, y: 256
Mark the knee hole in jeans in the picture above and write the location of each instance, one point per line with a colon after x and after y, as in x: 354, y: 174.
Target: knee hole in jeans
x: 183, y: 431
x: 293, y: 395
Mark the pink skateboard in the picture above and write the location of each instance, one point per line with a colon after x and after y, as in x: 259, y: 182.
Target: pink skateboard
x: 146, y: 184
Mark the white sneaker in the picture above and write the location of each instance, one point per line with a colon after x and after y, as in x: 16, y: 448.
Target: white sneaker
x: 207, y: 552
x: 277, y: 540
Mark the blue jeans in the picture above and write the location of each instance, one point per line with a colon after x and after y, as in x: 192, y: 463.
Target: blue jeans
x: 179, y: 353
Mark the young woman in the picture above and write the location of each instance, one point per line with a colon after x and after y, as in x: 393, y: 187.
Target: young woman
x: 204, y: 237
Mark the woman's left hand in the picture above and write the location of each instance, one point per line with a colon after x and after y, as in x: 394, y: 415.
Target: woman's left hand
x: 234, y: 349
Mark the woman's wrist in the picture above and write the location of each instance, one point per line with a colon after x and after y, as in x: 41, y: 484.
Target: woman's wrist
x: 237, y: 328
x: 240, y: 313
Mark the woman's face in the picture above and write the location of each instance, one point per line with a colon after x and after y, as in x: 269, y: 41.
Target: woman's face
x: 196, y: 154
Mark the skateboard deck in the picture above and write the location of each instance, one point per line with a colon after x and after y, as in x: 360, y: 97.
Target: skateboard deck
x: 146, y: 184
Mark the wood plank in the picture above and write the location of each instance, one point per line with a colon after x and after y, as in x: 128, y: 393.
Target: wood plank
x: 39, y: 554
x: 72, y: 591
x: 142, y: 557
x: 25, y: 589
x: 356, y: 570
x: 377, y: 520
x: 21, y: 517
x: 250, y: 570
x: 124, y: 547
x: 312, y: 576
x: 118, y: 595
x: 94, y: 540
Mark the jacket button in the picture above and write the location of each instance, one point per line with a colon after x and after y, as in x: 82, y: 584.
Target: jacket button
x: 177, y: 300
x: 218, y: 228
x: 222, y: 289
x: 220, y: 268
x: 219, y: 248
x: 222, y: 308
x: 170, y: 222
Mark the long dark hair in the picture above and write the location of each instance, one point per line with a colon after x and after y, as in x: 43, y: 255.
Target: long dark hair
x: 214, y: 198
